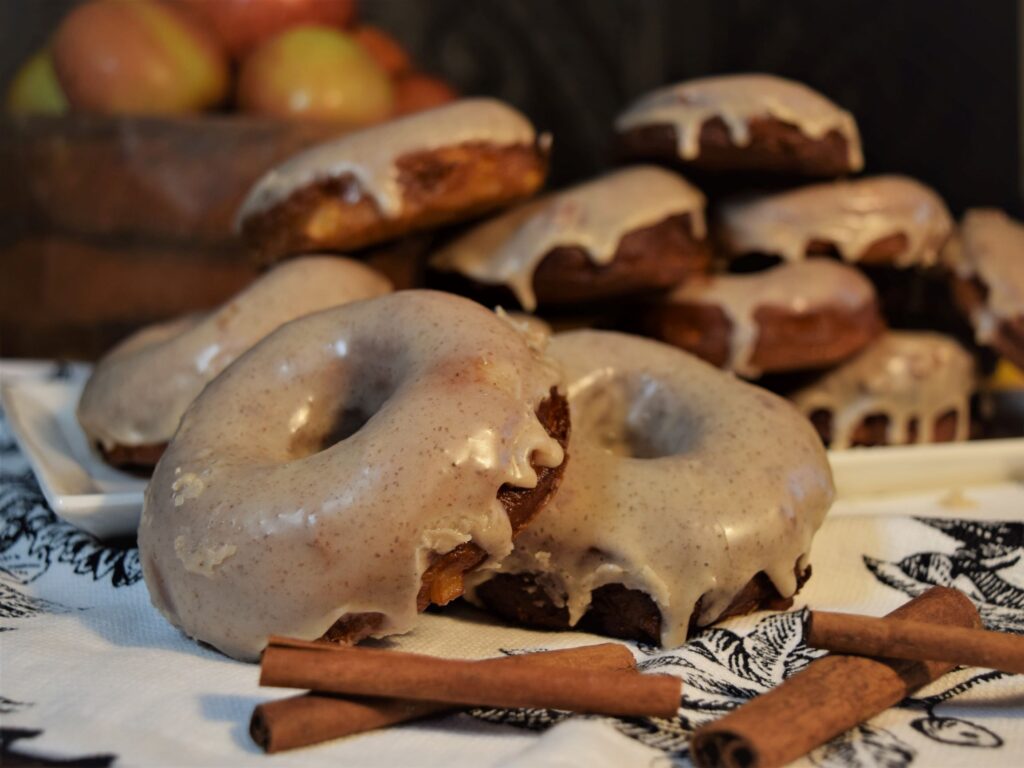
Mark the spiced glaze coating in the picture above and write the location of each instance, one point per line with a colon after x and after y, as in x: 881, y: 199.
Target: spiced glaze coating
x: 685, y: 483
x: 320, y: 475
x: 138, y: 392
x: 593, y: 216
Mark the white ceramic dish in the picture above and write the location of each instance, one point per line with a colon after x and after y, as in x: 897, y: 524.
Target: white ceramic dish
x: 78, y: 485
x: 88, y: 493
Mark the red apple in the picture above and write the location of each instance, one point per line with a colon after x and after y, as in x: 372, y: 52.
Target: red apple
x: 137, y: 56
x: 241, y: 25
x: 415, y: 92
x: 35, y: 90
x: 384, y: 49
x: 315, y: 73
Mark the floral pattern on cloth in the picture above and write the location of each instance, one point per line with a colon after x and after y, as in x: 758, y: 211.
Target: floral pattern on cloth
x: 722, y: 667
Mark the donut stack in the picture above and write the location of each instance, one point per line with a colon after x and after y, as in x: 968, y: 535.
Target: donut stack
x: 334, y: 456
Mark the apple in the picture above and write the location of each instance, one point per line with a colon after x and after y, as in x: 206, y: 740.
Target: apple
x: 415, y: 92
x: 384, y: 49
x: 35, y: 90
x: 137, y: 56
x: 241, y: 25
x: 314, y: 73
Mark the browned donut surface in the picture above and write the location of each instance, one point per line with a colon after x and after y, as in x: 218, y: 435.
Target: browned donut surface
x: 647, y: 261
x: 633, y: 231
x: 615, y: 610
x: 775, y: 147
x: 906, y: 387
x: 1007, y: 334
x: 416, y: 172
x: 795, y: 316
x: 137, y: 459
x: 873, y: 429
x: 437, y: 187
x: 749, y: 123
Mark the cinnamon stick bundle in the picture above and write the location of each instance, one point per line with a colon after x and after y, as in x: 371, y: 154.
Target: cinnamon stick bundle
x: 902, y: 639
x: 830, y: 696
x: 488, y: 683
x: 311, y: 718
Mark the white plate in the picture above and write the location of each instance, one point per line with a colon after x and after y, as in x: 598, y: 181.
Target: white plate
x: 88, y: 493
x: 76, y: 482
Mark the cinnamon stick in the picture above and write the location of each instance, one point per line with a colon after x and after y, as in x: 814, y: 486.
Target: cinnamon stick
x: 311, y: 718
x: 831, y: 695
x: 902, y: 639
x: 488, y: 683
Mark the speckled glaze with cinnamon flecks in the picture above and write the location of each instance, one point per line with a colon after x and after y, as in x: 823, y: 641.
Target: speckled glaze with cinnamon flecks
x: 738, y: 99
x: 139, y: 391
x: 319, y: 474
x: 593, y: 216
x: 684, y: 484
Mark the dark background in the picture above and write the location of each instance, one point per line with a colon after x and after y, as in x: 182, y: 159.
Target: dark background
x: 934, y: 83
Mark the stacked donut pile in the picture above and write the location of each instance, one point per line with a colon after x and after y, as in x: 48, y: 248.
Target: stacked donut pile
x: 332, y: 456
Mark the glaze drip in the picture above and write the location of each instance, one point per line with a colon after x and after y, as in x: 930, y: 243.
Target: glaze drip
x: 990, y: 248
x: 798, y: 287
x: 684, y: 483
x: 139, y: 391
x: 908, y: 377
x: 737, y: 99
x: 370, y: 155
x: 336, y: 458
x: 851, y: 215
x: 593, y: 216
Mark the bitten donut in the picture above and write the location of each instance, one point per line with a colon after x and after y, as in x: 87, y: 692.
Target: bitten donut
x: 348, y: 470
x: 988, y: 259
x: 443, y: 165
x: 690, y: 495
x: 749, y: 123
x: 136, y: 395
x: 630, y: 232
x: 882, y: 220
x: 808, y: 314
x: 906, y: 387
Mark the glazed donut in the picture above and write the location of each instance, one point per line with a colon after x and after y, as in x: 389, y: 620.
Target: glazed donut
x: 634, y: 231
x: 136, y: 395
x: 988, y: 259
x: 348, y: 470
x: 417, y: 172
x: 690, y: 495
x: 746, y: 123
x: 905, y: 387
x: 807, y: 314
x: 882, y: 220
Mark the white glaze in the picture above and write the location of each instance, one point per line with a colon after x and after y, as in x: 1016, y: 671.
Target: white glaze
x: 737, y: 99
x: 249, y: 529
x: 990, y: 247
x: 798, y: 287
x: 852, y: 215
x: 684, y: 482
x: 594, y: 216
x: 139, y: 391
x: 906, y: 376
x: 370, y: 155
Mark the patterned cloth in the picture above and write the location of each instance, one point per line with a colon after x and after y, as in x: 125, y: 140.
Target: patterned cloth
x: 91, y: 674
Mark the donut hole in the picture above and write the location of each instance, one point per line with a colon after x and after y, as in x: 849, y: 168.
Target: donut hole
x: 636, y: 416
x: 348, y: 398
